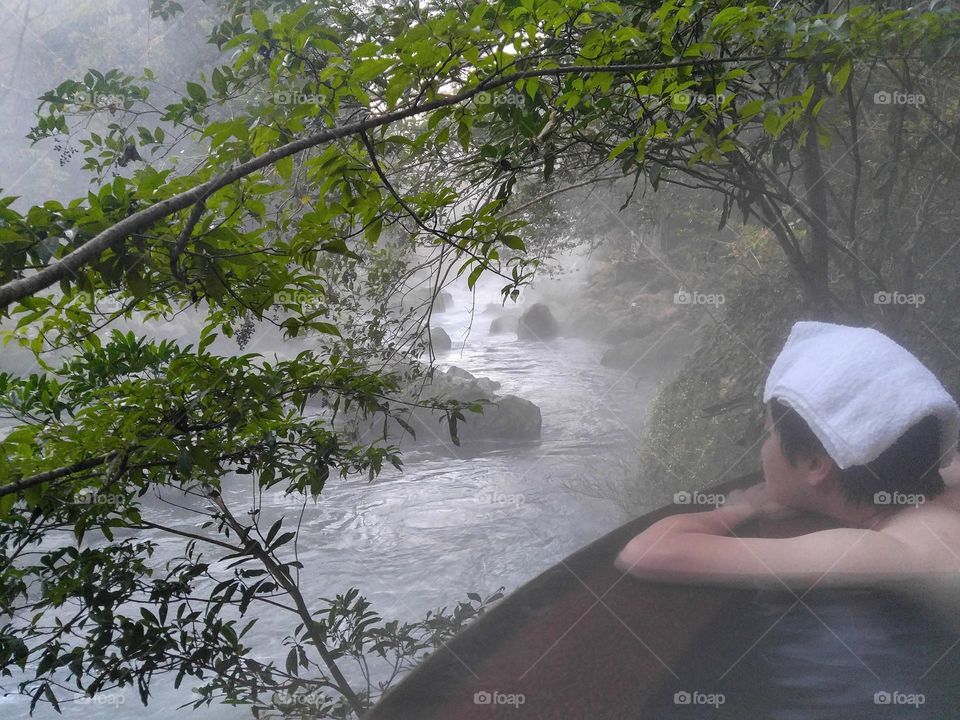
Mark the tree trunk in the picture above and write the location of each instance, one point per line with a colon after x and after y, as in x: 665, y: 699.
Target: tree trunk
x: 818, y: 230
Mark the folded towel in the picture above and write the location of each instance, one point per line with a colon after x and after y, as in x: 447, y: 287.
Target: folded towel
x: 858, y: 391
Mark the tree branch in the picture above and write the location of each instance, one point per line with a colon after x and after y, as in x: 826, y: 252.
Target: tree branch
x: 48, y: 475
x: 564, y: 189
x: 70, y: 263
x: 283, y: 578
x: 184, y: 238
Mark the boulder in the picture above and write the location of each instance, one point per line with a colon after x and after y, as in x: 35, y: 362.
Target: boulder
x: 512, y: 418
x: 503, y: 324
x: 537, y: 323
x: 485, y: 385
x: 439, y: 339
x: 506, y: 417
x: 454, y: 371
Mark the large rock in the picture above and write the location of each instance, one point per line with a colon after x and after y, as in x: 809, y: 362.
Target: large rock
x: 506, y: 417
x: 458, y: 372
x: 504, y: 324
x: 439, y: 339
x: 485, y: 385
x: 537, y: 323
x: 511, y: 418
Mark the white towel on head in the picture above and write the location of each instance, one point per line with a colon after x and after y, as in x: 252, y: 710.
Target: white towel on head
x: 858, y: 391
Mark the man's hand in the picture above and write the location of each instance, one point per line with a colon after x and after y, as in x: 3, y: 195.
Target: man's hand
x: 758, y: 497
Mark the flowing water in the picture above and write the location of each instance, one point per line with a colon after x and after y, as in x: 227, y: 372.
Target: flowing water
x: 455, y: 520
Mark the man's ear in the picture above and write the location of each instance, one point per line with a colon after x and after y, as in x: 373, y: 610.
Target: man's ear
x: 820, y: 469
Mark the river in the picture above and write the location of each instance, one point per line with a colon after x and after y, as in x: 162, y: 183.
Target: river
x: 454, y: 520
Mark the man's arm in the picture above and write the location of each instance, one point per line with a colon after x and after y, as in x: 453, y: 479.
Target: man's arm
x: 695, y: 548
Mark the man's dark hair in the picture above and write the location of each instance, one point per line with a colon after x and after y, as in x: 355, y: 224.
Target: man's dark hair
x: 911, y: 465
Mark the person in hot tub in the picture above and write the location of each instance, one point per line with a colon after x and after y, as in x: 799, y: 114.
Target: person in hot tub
x: 856, y: 429
x: 843, y: 621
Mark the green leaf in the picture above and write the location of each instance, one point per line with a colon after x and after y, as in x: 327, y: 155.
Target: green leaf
x: 474, y: 276
x: 841, y: 76
x: 727, y: 16
x: 464, y: 135
x: 751, y: 108
x: 219, y: 81
x: 771, y: 123
x: 608, y: 7
x: 327, y: 328
x: 531, y: 86
x: 369, y: 69
x: 629, y: 142
x: 259, y: 20
x: 184, y: 461
x: 339, y: 247
x: 514, y: 243
x: 285, y: 167
x: 196, y: 92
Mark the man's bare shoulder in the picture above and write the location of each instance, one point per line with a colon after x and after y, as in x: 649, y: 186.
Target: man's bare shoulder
x: 932, y: 527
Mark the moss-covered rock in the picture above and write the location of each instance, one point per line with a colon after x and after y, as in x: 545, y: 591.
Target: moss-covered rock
x: 537, y: 323
x: 706, y: 423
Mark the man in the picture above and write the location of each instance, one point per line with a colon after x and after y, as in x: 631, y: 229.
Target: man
x: 857, y: 429
x: 889, y: 425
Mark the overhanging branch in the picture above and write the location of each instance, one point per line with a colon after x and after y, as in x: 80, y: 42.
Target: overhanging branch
x: 70, y: 263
